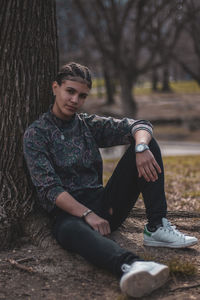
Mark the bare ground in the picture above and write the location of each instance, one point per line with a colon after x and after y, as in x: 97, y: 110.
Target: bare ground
x: 56, y: 274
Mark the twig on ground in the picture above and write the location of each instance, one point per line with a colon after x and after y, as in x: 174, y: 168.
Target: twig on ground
x: 25, y: 259
x: 186, y: 287
x: 140, y: 212
x: 20, y: 266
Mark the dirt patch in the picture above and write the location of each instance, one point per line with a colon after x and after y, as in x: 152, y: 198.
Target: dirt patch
x: 57, y: 274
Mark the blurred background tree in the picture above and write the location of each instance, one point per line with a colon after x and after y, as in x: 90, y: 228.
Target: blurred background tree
x: 187, y: 52
x: 127, y: 40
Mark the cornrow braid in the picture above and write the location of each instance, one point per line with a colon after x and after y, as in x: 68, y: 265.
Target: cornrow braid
x: 75, y: 72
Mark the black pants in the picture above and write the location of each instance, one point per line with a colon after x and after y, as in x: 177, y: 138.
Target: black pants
x: 120, y: 193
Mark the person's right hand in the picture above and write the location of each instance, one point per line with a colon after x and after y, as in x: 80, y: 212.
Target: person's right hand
x: 97, y: 223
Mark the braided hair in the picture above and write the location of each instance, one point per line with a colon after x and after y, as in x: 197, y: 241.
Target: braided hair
x: 74, y: 72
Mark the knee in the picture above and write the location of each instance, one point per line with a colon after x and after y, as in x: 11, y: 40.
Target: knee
x: 154, y: 147
x: 68, y: 230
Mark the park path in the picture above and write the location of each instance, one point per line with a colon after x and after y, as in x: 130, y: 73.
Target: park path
x: 168, y: 148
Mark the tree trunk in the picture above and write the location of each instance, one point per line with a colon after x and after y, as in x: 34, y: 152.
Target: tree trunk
x: 29, y: 61
x: 109, y: 86
x: 99, y: 87
x: 155, y: 81
x: 165, y: 80
x: 188, y: 69
x: 129, y: 105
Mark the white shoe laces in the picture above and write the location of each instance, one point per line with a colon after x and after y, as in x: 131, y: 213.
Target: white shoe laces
x: 172, y: 229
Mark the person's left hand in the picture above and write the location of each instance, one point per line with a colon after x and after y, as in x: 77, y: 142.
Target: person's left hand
x: 147, y: 166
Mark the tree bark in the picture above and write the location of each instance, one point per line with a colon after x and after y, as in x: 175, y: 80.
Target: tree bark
x: 109, y: 86
x: 154, y: 81
x: 129, y: 105
x: 165, y: 80
x: 29, y: 61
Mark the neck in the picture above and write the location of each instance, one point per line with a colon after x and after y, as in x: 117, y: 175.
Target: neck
x: 55, y: 110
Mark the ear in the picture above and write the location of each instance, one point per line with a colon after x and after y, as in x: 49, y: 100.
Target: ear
x: 54, y: 87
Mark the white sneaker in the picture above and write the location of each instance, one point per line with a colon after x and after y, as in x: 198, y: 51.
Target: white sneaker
x: 168, y: 236
x: 143, y: 277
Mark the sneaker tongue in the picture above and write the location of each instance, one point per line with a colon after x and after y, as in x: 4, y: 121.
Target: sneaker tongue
x: 165, y: 222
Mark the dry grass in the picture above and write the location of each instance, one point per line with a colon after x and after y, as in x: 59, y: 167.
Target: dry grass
x: 182, y: 186
x: 179, y: 87
x: 177, y: 267
x: 181, y: 267
x: 182, y: 182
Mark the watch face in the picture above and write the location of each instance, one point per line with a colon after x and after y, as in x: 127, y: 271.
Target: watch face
x: 140, y: 147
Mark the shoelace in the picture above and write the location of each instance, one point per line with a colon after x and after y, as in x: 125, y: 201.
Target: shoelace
x: 125, y: 268
x: 173, y: 229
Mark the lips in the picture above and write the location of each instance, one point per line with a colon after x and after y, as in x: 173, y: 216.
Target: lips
x: 70, y: 108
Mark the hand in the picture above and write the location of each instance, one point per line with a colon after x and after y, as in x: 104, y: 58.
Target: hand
x: 147, y: 166
x: 97, y: 223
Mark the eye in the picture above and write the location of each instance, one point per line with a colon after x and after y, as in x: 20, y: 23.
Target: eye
x: 83, y: 96
x: 70, y: 91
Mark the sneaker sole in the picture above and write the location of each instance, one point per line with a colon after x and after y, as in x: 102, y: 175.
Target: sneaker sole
x: 168, y: 245
x: 143, y: 283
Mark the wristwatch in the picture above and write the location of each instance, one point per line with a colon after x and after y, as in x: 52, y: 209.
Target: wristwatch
x: 141, y: 148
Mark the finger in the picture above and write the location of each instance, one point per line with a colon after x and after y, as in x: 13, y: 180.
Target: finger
x: 153, y: 176
x: 110, y: 211
x: 157, y: 166
x: 153, y: 172
x: 154, y: 162
x: 101, y: 229
x: 143, y: 172
x: 95, y: 227
x: 104, y: 228
x: 139, y: 173
x: 107, y: 229
x: 149, y: 173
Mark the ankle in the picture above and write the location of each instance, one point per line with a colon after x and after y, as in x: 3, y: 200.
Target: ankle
x: 153, y: 227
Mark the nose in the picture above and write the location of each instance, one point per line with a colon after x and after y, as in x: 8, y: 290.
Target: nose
x: 74, y: 99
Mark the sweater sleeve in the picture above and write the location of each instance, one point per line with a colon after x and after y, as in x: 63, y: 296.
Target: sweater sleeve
x: 43, y: 175
x: 109, y: 131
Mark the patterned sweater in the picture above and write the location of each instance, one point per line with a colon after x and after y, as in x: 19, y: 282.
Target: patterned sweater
x: 64, y: 155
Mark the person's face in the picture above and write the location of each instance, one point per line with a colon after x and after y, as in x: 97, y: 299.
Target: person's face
x: 69, y: 97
